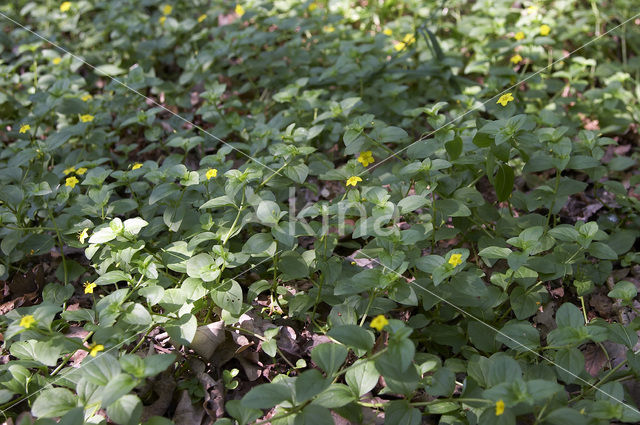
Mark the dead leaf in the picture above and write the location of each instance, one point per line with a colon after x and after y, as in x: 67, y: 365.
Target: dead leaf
x: 594, y: 359
x: 208, y: 338
x: 213, y: 396
x: 186, y: 412
x: 163, y: 386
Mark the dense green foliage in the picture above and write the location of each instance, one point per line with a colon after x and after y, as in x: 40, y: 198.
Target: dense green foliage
x: 433, y: 193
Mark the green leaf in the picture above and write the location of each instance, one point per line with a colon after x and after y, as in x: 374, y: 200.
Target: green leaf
x: 602, y: 251
x: 266, y: 396
x: 313, y: 414
x: 362, y: 376
x: 268, y: 212
x: 624, y: 290
x: 228, y: 296
x: 162, y: 191
x: 454, y: 148
x: 53, y: 402
x: 568, y: 315
x: 400, y: 412
x: 569, y: 364
x: 112, y: 277
x: 101, y: 369
x: 183, y: 329
x: 127, y: 410
x: 494, y: 252
x: 337, y: 395
x: 504, y: 182
x: 117, y: 387
x: 523, y: 303
x: 241, y: 413
x: 353, y: 336
x: 258, y: 243
x: 309, y: 384
x: 292, y: 266
x: 518, y: 335
x: 329, y: 356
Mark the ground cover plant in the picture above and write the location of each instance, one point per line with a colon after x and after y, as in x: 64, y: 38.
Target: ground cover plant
x: 287, y: 212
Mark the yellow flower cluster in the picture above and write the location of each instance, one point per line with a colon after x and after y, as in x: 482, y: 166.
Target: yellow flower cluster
x: 353, y: 181
x: 455, y: 260
x: 505, y: 99
x: 499, y: 407
x: 516, y: 59
x: 136, y: 166
x: 95, y: 349
x: 24, y: 128
x: 211, y: 172
x: 202, y: 18
x: 366, y: 158
x: 27, y: 321
x: 71, y: 181
x: 86, y: 118
x: 239, y: 10
x: 89, y: 287
x: 406, y: 41
x: 65, y: 6
x: 379, y: 322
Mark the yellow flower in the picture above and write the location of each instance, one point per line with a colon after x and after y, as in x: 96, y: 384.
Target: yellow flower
x: 81, y: 171
x: 69, y: 170
x: 366, y: 158
x: 71, y: 182
x: 202, y: 18
x: 516, y: 59
x: 406, y: 41
x: 27, y: 321
x: 379, y: 322
x: 499, y: 407
x: 329, y: 28
x: 313, y: 6
x: 65, y: 6
x: 95, y: 349
x: 167, y: 9
x: 532, y: 10
x: 136, y: 166
x: 239, y: 10
x: 212, y: 172
x: 387, y: 32
x: 545, y: 30
x: 353, y: 180
x: 83, y: 235
x: 505, y: 98
x: 455, y: 259
x: 86, y: 97
x: 162, y: 19
x: 86, y: 118
x: 88, y: 288
x: 24, y: 128
x: 56, y: 61
x: 519, y: 35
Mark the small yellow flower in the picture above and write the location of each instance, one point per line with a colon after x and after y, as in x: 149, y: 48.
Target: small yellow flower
x: 81, y: 171
x: 519, y: 36
x: 95, y: 349
x: 239, y: 10
x: 379, y: 322
x: 531, y: 10
x: 65, y: 6
x: 86, y: 118
x: 86, y: 97
x: 89, y: 287
x: 56, y: 61
x: 505, y: 98
x: 516, y: 59
x: 406, y: 41
x: 499, y: 407
x: 313, y: 6
x: 167, y: 9
x: 455, y: 259
x: 212, y: 172
x: 83, y: 235
x: 545, y: 30
x: 387, y: 32
x: 162, y: 19
x: 366, y: 158
x: 353, y: 180
x: 136, y: 166
x: 69, y: 170
x: 27, y: 321
x: 329, y: 29
x: 71, y: 182
x: 24, y: 128
x: 202, y: 18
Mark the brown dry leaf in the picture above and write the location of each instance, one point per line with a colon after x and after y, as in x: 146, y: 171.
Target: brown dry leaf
x: 213, y: 396
x: 208, y: 338
x: 602, y: 304
x: 594, y: 359
x: 163, y: 386
x: 186, y: 412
